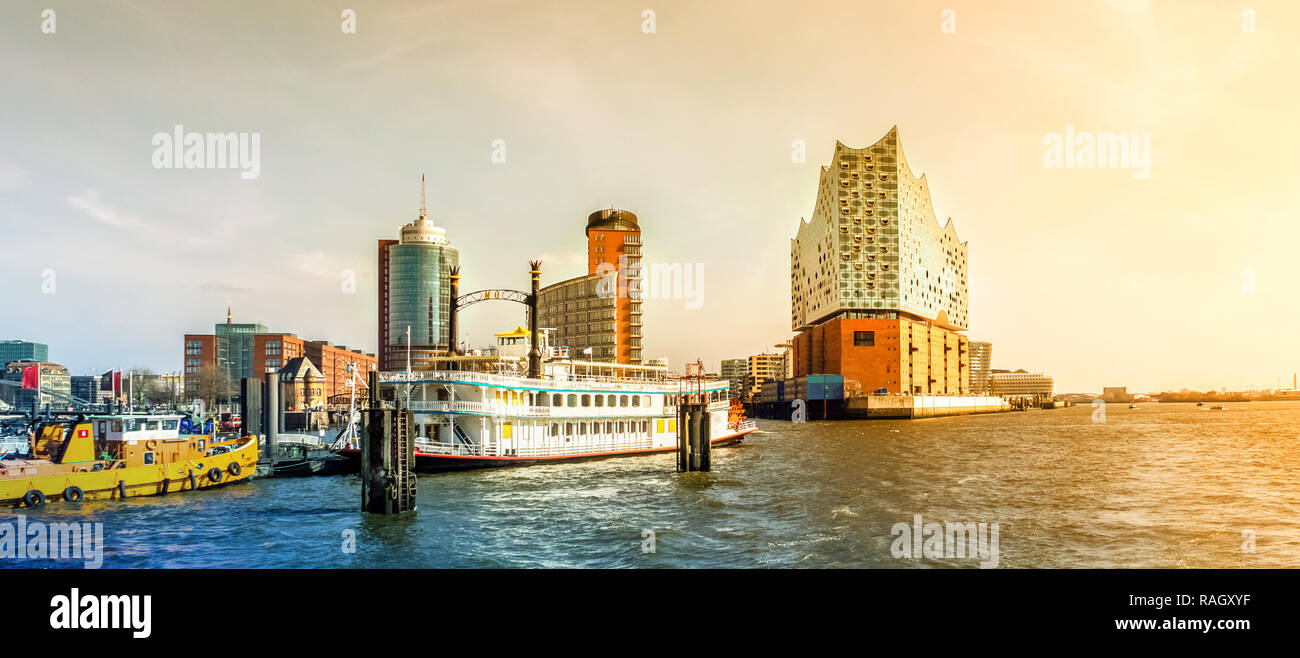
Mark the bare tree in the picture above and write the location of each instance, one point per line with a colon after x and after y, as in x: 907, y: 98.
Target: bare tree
x: 214, y: 385
x: 141, y: 387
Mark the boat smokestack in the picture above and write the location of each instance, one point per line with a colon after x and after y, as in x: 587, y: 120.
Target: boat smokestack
x: 535, y: 349
x: 453, y: 281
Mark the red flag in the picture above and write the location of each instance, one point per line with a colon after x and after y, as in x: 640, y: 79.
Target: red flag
x: 31, y: 377
x: 117, y: 382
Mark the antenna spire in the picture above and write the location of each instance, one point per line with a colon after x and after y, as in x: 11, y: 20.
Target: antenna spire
x: 424, y: 213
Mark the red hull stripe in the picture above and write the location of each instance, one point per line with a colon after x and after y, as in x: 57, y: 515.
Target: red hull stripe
x: 729, y: 437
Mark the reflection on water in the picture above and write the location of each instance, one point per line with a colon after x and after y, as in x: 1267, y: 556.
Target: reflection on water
x: 1162, y: 486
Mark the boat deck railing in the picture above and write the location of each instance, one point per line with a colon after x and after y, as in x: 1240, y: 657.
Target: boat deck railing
x: 471, y: 407
x: 570, y: 449
x: 613, y: 384
x: 493, y: 408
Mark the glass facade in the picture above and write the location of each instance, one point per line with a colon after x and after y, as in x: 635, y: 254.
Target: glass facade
x: 235, y: 349
x: 874, y: 243
x: 21, y: 350
x: 419, y: 293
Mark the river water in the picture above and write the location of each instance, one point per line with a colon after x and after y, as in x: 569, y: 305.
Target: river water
x: 1169, y: 485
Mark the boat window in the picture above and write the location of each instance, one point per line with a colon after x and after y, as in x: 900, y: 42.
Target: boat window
x: 148, y: 458
x: 600, y: 401
x: 148, y: 425
x: 646, y: 399
x: 555, y: 429
x: 568, y: 429
x: 609, y: 427
x: 636, y: 400
x: 557, y: 400
x: 170, y: 424
x: 622, y: 427
x: 611, y: 400
x: 622, y: 400
x: 586, y: 400
x: 582, y: 428
x: 573, y: 400
x: 643, y: 427
x: 130, y: 424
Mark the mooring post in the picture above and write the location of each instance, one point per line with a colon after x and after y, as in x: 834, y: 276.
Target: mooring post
x: 693, y: 441
x: 250, y: 395
x: 387, y: 456
x: 271, y: 415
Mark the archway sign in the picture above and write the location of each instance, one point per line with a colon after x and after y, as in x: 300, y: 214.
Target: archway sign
x: 518, y: 296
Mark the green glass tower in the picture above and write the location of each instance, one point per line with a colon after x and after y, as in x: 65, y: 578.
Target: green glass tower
x: 415, y: 293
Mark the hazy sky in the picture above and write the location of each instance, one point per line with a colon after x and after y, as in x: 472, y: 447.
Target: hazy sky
x: 1183, y: 278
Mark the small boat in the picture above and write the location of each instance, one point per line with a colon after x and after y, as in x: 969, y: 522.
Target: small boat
x: 121, y: 456
x: 1132, y: 406
x: 303, y: 459
x: 1218, y: 407
x: 1200, y: 404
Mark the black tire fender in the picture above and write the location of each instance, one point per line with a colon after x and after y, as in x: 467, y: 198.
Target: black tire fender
x: 34, y: 498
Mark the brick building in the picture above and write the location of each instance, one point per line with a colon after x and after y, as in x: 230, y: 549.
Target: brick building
x: 601, y: 310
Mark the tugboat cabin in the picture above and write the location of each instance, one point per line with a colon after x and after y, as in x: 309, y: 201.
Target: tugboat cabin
x: 129, y: 439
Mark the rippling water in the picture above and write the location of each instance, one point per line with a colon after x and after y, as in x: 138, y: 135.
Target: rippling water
x: 1168, y: 485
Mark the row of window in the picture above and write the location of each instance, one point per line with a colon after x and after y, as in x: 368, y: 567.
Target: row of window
x: 609, y: 427
x: 591, y: 399
x: 597, y: 400
x: 141, y: 425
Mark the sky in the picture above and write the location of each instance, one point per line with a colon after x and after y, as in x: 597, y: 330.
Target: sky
x: 525, y: 117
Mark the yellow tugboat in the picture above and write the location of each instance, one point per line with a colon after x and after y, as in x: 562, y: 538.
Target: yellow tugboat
x: 119, y: 456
